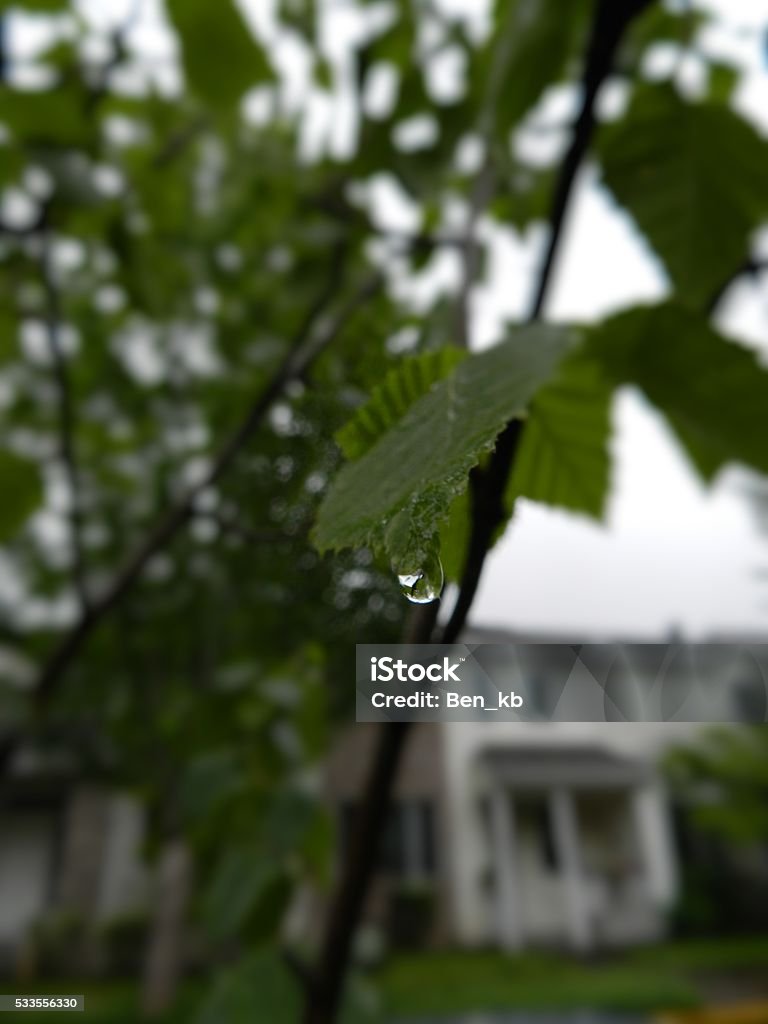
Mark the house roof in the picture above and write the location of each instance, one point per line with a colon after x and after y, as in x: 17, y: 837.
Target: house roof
x: 573, y: 767
x: 474, y: 634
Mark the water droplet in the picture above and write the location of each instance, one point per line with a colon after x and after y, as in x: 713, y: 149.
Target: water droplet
x: 425, y: 585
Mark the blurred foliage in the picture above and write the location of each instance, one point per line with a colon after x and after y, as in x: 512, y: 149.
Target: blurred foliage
x: 725, y: 778
x: 721, y: 784
x: 165, y: 251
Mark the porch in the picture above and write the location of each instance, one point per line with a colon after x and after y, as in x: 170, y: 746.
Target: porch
x: 580, y: 850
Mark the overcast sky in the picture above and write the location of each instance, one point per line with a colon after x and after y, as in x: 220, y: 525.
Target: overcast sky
x: 672, y: 554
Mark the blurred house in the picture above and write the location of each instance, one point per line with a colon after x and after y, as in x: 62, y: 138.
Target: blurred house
x: 522, y: 835
x: 70, y: 855
x: 539, y: 833
x: 506, y: 834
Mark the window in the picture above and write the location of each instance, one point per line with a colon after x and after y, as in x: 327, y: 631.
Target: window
x: 535, y: 814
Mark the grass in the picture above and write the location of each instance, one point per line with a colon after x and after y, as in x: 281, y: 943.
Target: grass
x: 708, y: 954
x: 664, y: 977
x: 113, y: 1002
x: 456, y: 982
x: 453, y: 982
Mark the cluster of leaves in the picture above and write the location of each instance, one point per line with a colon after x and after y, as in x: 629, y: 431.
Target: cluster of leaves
x: 160, y: 258
x: 698, y: 210
x: 711, y: 390
x: 724, y: 779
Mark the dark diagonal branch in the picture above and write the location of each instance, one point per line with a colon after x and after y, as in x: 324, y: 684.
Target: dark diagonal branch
x: 314, y: 336
x: 488, y: 513
x: 316, y: 332
x: 233, y: 526
x: 488, y: 486
x: 325, y: 983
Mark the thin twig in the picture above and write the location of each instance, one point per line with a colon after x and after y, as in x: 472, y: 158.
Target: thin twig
x: 483, y: 184
x: 179, y: 141
x: 326, y: 981
x: 489, y: 486
x: 232, y: 525
x: 313, y: 337
x: 66, y: 424
x: 310, y: 343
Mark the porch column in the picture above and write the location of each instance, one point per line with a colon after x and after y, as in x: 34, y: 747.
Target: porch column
x: 503, y: 837
x: 655, y: 843
x: 565, y: 828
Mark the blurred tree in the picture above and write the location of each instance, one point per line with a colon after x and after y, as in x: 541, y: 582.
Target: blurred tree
x: 721, y: 785
x: 196, y: 295
x: 725, y: 777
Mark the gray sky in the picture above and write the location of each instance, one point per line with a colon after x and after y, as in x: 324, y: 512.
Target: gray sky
x: 672, y: 554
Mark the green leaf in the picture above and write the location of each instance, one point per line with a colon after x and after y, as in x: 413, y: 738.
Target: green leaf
x: 454, y: 537
x: 220, y: 56
x: 392, y: 398
x: 41, y: 6
x: 21, y: 491
x: 563, y: 458
x: 259, y: 987
x: 712, y: 390
x: 539, y: 35
x: 301, y: 16
x: 208, y: 782
x: 723, y: 80
x: 396, y: 495
x: 9, y: 333
x: 660, y: 24
x: 697, y: 204
x: 55, y: 116
x: 242, y: 878
x: 323, y: 74
x: 319, y: 847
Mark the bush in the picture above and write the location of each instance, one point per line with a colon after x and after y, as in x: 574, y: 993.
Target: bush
x: 59, y: 944
x: 411, y: 916
x: 124, y: 938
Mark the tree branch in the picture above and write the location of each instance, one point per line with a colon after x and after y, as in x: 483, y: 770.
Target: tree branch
x: 235, y: 527
x: 327, y: 980
x: 483, y: 186
x: 179, y: 141
x: 314, y: 335
x: 488, y: 513
x: 488, y: 487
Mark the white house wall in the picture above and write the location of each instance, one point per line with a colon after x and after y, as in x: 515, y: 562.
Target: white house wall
x: 26, y: 864
x: 124, y: 880
x: 468, y: 844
